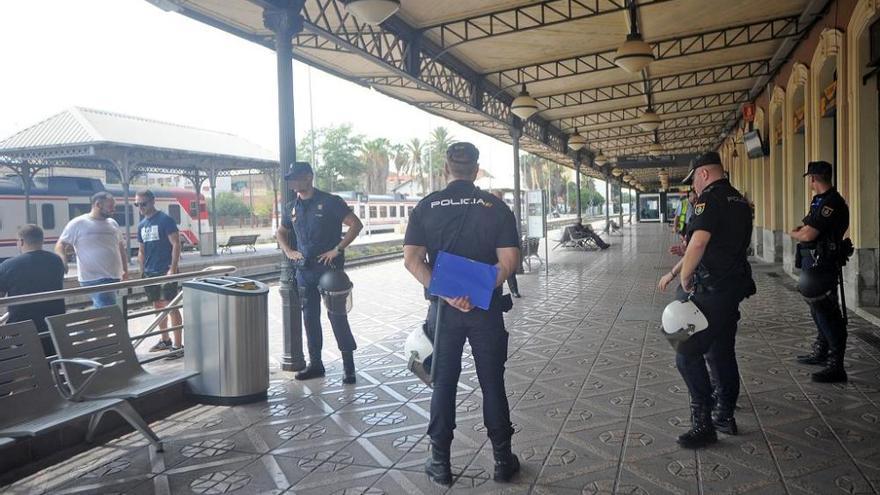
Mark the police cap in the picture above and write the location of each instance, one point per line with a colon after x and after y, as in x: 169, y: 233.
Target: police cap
x: 703, y: 159
x: 298, y: 171
x: 822, y: 168
x: 462, y: 152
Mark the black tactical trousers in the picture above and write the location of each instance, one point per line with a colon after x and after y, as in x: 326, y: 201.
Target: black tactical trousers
x: 713, y: 348
x: 827, y: 314
x: 307, y: 279
x: 485, y: 332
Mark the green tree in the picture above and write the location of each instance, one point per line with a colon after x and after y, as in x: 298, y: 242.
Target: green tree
x: 416, y: 150
x: 439, y: 141
x: 229, y: 205
x: 402, y: 161
x: 375, y: 154
x: 337, y: 166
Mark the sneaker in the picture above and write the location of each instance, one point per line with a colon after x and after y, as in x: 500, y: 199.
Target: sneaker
x: 176, y: 352
x: 163, y: 345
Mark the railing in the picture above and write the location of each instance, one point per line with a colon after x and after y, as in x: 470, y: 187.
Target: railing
x: 128, y: 285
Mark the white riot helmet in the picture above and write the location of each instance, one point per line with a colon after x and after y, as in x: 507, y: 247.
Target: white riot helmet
x: 419, y: 349
x: 681, y: 319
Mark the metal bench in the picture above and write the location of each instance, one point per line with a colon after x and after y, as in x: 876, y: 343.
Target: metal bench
x: 30, y: 403
x: 101, y: 335
x: 577, y: 240
x: 247, y: 241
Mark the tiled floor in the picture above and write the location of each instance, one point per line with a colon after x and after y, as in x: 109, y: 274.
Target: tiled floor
x: 595, y: 397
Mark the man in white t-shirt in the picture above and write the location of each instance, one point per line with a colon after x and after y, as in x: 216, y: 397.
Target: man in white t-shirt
x: 100, y: 251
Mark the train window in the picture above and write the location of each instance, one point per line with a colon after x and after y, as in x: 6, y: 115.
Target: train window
x: 372, y: 212
x: 363, y: 211
x: 174, y: 213
x: 32, y: 213
x: 48, y: 216
x: 383, y: 211
x: 393, y: 210
x: 402, y: 212
x: 409, y: 210
x: 119, y: 215
x: 74, y: 210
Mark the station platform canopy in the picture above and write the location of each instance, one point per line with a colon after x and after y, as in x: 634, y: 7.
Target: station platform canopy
x: 87, y: 138
x: 467, y: 61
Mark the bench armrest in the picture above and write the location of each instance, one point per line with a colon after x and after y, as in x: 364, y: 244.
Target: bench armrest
x: 67, y: 390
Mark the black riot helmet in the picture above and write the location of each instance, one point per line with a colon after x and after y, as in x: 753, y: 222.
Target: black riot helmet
x: 335, y: 288
x: 815, y: 283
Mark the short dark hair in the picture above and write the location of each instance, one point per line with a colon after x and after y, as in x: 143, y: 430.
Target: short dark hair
x: 823, y: 178
x: 101, y: 196
x: 146, y: 193
x: 31, y: 234
x: 461, y: 169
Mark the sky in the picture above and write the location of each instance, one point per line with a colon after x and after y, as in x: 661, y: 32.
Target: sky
x: 130, y: 57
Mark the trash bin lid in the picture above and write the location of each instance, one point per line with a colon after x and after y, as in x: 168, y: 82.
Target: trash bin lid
x: 228, y: 285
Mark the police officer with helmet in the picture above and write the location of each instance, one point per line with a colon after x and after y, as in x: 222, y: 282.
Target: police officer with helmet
x: 311, y: 236
x: 821, y: 252
x: 715, y: 276
x: 465, y: 221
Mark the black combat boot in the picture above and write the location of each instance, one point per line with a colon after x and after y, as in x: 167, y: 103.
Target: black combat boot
x: 723, y: 420
x: 437, y: 467
x: 315, y: 369
x: 818, y: 355
x: 702, y: 430
x: 348, y: 376
x: 833, y: 372
x: 506, y: 462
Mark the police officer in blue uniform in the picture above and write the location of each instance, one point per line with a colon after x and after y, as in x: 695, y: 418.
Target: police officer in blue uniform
x: 821, y: 252
x: 311, y: 235
x: 715, y: 272
x: 468, y: 222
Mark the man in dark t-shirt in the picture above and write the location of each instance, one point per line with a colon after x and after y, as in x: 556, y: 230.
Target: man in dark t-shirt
x: 34, y: 270
x: 158, y: 255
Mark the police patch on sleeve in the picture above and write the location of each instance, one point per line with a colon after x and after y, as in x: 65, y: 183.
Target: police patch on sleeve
x: 827, y: 211
x: 699, y: 208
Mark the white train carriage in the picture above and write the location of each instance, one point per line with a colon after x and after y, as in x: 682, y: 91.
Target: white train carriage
x: 55, y: 200
x: 380, y: 212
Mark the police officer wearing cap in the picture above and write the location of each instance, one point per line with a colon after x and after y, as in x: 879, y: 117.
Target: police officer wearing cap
x: 716, y: 275
x: 468, y: 222
x: 315, y: 219
x: 821, y: 252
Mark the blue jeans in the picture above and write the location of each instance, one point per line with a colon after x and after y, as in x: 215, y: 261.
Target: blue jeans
x: 101, y: 299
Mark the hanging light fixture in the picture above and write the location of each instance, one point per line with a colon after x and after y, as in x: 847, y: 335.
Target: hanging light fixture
x: 600, y: 159
x: 656, y: 149
x: 634, y: 54
x: 576, y: 141
x: 617, y: 172
x: 372, y: 12
x: 649, y: 121
x: 524, y: 106
x: 627, y: 178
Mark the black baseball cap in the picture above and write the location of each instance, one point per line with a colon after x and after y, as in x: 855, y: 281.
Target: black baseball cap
x: 462, y: 152
x: 819, y: 168
x: 703, y: 159
x: 298, y: 171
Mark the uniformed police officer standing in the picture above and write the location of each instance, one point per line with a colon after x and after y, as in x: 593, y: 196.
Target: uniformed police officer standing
x: 819, y: 249
x: 466, y: 221
x: 715, y: 269
x: 316, y: 219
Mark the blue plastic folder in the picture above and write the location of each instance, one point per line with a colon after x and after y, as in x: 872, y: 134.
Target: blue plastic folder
x: 456, y: 276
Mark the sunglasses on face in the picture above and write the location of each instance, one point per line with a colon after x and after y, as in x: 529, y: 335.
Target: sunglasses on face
x: 145, y: 203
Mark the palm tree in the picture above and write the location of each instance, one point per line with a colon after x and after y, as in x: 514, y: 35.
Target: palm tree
x: 401, y: 160
x: 440, y: 140
x: 416, y: 150
x: 375, y: 155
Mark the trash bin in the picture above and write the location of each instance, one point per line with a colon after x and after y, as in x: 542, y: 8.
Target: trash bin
x: 227, y: 339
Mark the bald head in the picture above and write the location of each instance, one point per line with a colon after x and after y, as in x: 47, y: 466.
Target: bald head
x: 706, y: 175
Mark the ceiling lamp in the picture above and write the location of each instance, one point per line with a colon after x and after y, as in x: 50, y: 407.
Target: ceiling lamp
x: 656, y: 149
x: 617, y: 172
x: 524, y: 106
x: 663, y: 174
x: 649, y: 121
x: 634, y: 54
x: 627, y: 178
x: 576, y: 141
x: 372, y: 12
x: 600, y: 159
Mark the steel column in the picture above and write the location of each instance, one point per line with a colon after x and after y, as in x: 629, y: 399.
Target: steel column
x: 608, y: 203
x: 285, y: 24
x: 620, y: 195
x: 516, y: 134
x: 577, y: 184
